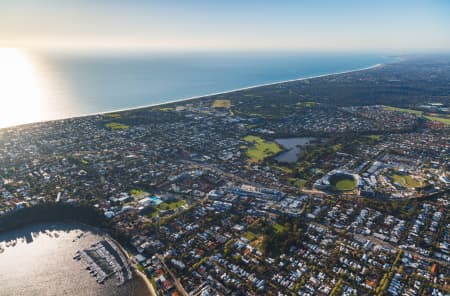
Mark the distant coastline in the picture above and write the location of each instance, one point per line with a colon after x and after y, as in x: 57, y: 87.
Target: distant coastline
x: 193, y: 98
x: 229, y: 91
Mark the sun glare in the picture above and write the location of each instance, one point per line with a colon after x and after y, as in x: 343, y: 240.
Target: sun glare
x: 21, y: 95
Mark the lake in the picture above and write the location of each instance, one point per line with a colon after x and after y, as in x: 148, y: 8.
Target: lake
x: 38, y: 260
x: 293, y: 147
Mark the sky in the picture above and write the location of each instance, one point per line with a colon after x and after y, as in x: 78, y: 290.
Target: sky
x: 403, y: 25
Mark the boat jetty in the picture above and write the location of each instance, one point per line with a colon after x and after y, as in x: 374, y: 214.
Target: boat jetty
x: 105, y: 259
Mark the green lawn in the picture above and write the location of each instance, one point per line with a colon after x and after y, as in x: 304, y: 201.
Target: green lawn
x: 300, y: 183
x: 113, y: 115
x: 278, y: 228
x: 297, y: 182
x: 285, y: 169
x: 166, y: 206
x: 374, y: 137
x: 412, y: 111
x: 117, y: 126
x: 406, y: 181
x: 137, y: 193
x: 261, y: 149
x: 250, y: 235
x: 345, y: 184
x: 171, y: 205
x: 221, y: 104
x: 253, y: 139
x: 442, y: 119
x: 200, y: 262
x: 140, y: 267
x: 153, y: 282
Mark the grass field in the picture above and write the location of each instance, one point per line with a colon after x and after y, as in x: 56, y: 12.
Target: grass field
x: 278, y: 228
x: 116, y: 126
x: 412, y: 111
x: 283, y: 168
x: 374, y: 137
x: 250, y: 235
x: 137, y: 193
x: 171, y: 205
x: 113, y: 115
x: 261, y: 149
x: 167, y: 206
x: 342, y: 182
x: 300, y: 183
x: 345, y: 184
x: 297, y: 182
x: 221, y: 104
x: 166, y: 109
x: 441, y: 119
x: 406, y: 181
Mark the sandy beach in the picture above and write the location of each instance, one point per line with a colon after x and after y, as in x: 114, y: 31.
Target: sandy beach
x: 197, y: 97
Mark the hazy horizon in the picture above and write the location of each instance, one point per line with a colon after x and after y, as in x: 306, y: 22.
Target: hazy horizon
x: 400, y: 27
x: 53, y: 86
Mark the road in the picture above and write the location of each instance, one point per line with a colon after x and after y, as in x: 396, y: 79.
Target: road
x: 234, y: 177
x: 177, y: 282
x: 389, y: 245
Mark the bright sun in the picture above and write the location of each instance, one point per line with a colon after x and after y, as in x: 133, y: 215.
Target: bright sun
x: 21, y: 95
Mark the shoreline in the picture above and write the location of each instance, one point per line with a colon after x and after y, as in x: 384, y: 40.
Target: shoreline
x: 63, y: 226
x: 144, y: 278
x: 195, y: 97
x: 138, y: 273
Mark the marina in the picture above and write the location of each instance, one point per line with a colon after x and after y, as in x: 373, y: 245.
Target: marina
x: 39, y: 254
x: 103, y: 260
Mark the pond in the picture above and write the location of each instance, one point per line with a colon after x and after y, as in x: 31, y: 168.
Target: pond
x: 293, y: 147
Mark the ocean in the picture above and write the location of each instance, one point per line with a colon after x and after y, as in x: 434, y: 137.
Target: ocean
x: 79, y: 84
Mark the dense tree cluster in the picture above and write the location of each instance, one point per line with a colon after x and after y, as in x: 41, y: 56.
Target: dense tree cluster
x: 50, y: 212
